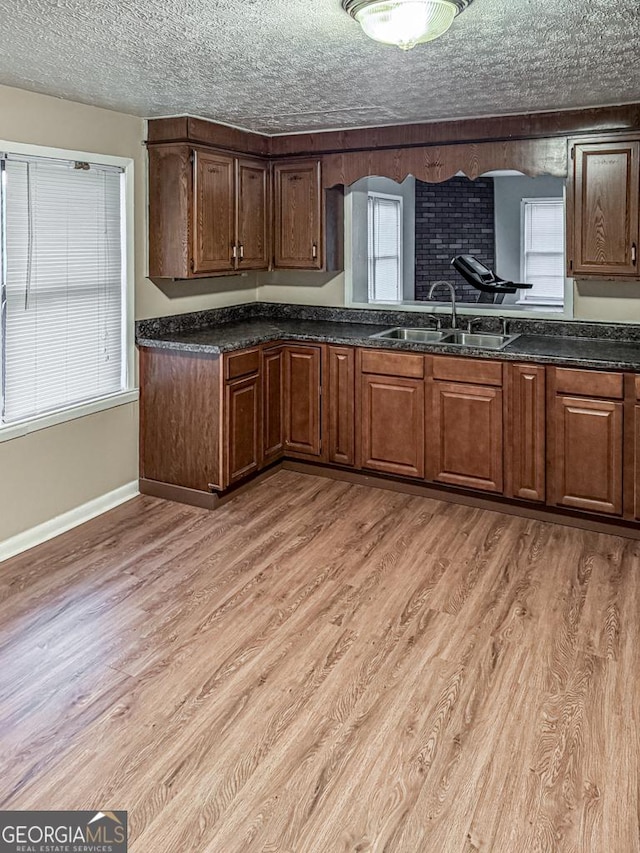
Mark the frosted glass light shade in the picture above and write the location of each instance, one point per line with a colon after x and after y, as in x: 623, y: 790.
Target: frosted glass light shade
x: 406, y: 23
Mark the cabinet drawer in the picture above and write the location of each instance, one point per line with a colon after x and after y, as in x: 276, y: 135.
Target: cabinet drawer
x: 452, y: 369
x: 392, y: 364
x: 589, y: 383
x: 242, y: 363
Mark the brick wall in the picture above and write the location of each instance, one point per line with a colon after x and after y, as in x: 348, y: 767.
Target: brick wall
x: 455, y: 217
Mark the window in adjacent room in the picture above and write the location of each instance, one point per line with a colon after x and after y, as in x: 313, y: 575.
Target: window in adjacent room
x: 63, y: 287
x: 385, y: 247
x: 543, y: 262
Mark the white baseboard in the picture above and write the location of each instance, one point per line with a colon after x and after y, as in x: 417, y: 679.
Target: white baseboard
x: 49, y: 529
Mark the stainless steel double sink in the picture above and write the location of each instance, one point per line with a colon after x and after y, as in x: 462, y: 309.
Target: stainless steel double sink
x: 450, y: 337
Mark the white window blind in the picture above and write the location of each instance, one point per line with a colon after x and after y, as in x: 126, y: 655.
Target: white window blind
x: 63, y: 285
x: 385, y: 247
x: 543, y: 262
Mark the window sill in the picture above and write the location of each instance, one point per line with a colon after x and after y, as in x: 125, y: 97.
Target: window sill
x: 22, y: 428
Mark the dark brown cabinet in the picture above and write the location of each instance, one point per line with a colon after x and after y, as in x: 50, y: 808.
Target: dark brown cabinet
x: 253, y: 238
x: 208, y: 212
x: 391, y: 413
x: 341, y: 403
x: 585, y: 438
x: 465, y: 437
x: 213, y: 212
x: 298, y: 238
x: 604, y: 211
x: 302, y: 392
x: 525, y: 425
x: 181, y: 440
x: 243, y: 434
x: 273, y: 403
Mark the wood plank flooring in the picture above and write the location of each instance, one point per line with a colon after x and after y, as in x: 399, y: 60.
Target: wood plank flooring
x: 321, y: 667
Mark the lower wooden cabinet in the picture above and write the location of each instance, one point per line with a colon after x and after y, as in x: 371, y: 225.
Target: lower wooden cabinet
x: 585, y: 436
x: 392, y: 423
x: 465, y: 437
x: 340, y: 402
x: 180, y: 419
x: 272, y: 403
x: 567, y: 437
x: 242, y: 428
x: 586, y: 459
x: 525, y: 431
x: 302, y: 391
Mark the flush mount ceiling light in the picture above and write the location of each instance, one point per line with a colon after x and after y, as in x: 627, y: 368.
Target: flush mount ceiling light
x: 404, y: 23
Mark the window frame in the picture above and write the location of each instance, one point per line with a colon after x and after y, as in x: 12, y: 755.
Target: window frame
x: 373, y: 194
x: 522, y: 299
x: 130, y: 393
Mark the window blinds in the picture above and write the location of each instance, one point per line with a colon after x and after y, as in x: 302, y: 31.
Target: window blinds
x: 63, y: 285
x: 385, y: 248
x: 543, y: 250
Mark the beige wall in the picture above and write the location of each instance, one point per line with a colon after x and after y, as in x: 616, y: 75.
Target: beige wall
x: 52, y: 471
x: 306, y: 288
x: 607, y: 301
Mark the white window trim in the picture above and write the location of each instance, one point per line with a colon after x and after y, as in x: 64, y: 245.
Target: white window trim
x: 130, y: 393
x: 400, y: 199
x: 522, y: 300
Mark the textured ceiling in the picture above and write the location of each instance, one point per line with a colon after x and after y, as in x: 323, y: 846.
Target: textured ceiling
x: 289, y: 65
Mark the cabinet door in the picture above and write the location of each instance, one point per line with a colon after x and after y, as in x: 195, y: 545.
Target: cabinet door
x: 242, y: 428
x: 272, y: 403
x: 253, y: 239
x: 525, y: 407
x: 606, y: 221
x: 341, y: 392
x: 392, y: 425
x: 466, y: 444
x: 585, y: 466
x: 302, y: 400
x: 298, y: 215
x: 213, y: 212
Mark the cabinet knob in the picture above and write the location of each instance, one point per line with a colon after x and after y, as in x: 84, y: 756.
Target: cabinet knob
x: 241, y: 252
x: 314, y: 251
x: 634, y: 253
x: 234, y: 252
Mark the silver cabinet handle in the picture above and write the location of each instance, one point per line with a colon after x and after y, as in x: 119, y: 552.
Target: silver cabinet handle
x: 634, y: 253
x: 241, y: 252
x: 234, y: 252
x: 314, y: 251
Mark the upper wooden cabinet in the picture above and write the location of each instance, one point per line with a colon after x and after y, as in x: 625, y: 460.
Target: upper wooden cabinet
x: 298, y: 215
x: 208, y: 212
x: 604, y: 219
x: 308, y: 221
x: 214, y: 212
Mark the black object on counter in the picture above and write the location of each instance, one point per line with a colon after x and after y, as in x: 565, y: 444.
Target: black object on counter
x: 482, y: 278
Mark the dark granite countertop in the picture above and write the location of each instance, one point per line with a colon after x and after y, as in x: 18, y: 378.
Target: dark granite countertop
x: 592, y: 345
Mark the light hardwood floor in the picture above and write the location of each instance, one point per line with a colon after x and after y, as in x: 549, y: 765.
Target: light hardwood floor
x: 321, y: 667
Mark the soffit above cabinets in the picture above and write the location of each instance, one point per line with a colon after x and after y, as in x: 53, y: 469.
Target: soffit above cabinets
x: 282, y: 66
